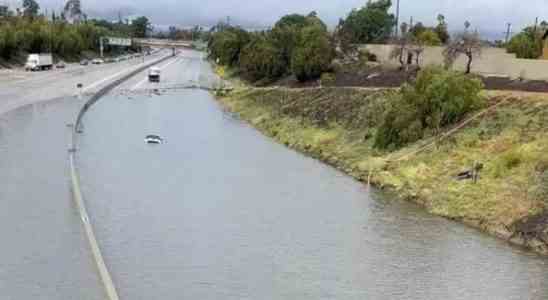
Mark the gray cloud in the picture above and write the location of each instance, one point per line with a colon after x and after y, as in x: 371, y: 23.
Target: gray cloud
x: 486, y: 15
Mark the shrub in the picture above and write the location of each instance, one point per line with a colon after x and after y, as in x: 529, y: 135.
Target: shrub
x: 428, y: 37
x: 261, y: 59
x: 525, y: 45
x: 313, y: 53
x: 436, y: 99
x: 506, y: 162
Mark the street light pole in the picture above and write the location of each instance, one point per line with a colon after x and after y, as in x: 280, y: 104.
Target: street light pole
x: 397, y: 18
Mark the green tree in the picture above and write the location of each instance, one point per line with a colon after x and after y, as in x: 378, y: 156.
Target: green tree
x: 226, y: 45
x: 30, y: 8
x: 140, y: 27
x: 287, y: 30
x: 441, y: 29
x: 313, y: 53
x: 417, y: 29
x: 262, y: 59
x: 527, y: 44
x: 371, y: 23
x: 296, y: 20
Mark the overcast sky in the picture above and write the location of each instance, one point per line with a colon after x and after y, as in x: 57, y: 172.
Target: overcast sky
x: 487, y: 15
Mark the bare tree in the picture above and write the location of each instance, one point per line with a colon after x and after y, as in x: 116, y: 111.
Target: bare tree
x: 402, y: 45
x: 467, y: 43
x: 417, y: 48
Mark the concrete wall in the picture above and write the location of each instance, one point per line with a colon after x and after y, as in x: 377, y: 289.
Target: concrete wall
x: 493, y: 61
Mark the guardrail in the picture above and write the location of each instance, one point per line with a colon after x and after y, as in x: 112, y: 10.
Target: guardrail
x: 109, y: 286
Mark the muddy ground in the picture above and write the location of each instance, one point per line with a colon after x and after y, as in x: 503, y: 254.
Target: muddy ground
x: 390, y: 78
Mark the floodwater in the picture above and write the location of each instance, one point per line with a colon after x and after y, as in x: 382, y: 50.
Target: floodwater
x: 44, y: 253
x: 221, y: 212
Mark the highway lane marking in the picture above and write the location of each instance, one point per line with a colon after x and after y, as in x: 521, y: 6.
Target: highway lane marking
x: 95, y: 84
x: 68, y: 71
x: 140, y: 83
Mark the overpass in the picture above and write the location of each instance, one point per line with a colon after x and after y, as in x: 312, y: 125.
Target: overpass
x: 163, y: 43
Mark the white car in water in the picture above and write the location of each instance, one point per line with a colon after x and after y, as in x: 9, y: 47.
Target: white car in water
x: 153, y: 139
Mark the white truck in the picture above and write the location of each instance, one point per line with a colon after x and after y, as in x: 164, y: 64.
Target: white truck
x: 154, y: 74
x: 36, y: 62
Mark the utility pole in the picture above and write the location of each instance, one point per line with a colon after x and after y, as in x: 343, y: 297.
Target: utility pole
x: 536, y: 24
x: 508, y: 31
x: 397, y: 18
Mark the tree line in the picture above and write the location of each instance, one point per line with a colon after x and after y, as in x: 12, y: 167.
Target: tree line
x: 296, y: 44
x: 302, y: 45
x: 28, y: 31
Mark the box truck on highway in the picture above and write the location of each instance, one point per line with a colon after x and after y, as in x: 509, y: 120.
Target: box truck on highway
x: 36, y: 62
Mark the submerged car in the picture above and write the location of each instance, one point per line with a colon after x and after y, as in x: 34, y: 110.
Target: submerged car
x: 84, y: 62
x: 153, y: 139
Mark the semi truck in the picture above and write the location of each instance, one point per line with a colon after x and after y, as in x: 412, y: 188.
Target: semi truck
x: 37, y: 62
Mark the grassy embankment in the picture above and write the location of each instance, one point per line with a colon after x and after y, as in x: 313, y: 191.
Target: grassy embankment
x: 337, y: 126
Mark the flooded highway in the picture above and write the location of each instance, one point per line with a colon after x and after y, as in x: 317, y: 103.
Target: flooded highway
x: 44, y: 253
x: 220, y: 212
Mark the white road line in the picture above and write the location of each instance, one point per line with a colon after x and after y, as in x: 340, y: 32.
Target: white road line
x: 140, y: 83
x: 107, y: 79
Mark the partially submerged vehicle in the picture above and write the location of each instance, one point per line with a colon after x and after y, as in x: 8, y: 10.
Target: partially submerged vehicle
x: 154, y: 74
x: 153, y: 139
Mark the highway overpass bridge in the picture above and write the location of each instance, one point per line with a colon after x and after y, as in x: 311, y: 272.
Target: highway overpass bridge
x: 163, y: 43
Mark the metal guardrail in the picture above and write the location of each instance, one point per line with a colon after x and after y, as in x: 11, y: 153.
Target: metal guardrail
x: 109, y: 286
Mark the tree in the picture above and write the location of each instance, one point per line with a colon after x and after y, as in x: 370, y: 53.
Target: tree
x: 261, y: 59
x: 441, y: 29
x: 371, y: 23
x: 313, y: 53
x: 402, y: 44
x: 226, y: 45
x: 465, y: 43
x: 418, y: 29
x: 292, y: 20
x: 30, y: 8
x: 528, y: 43
x: 140, y: 27
x: 286, y: 32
